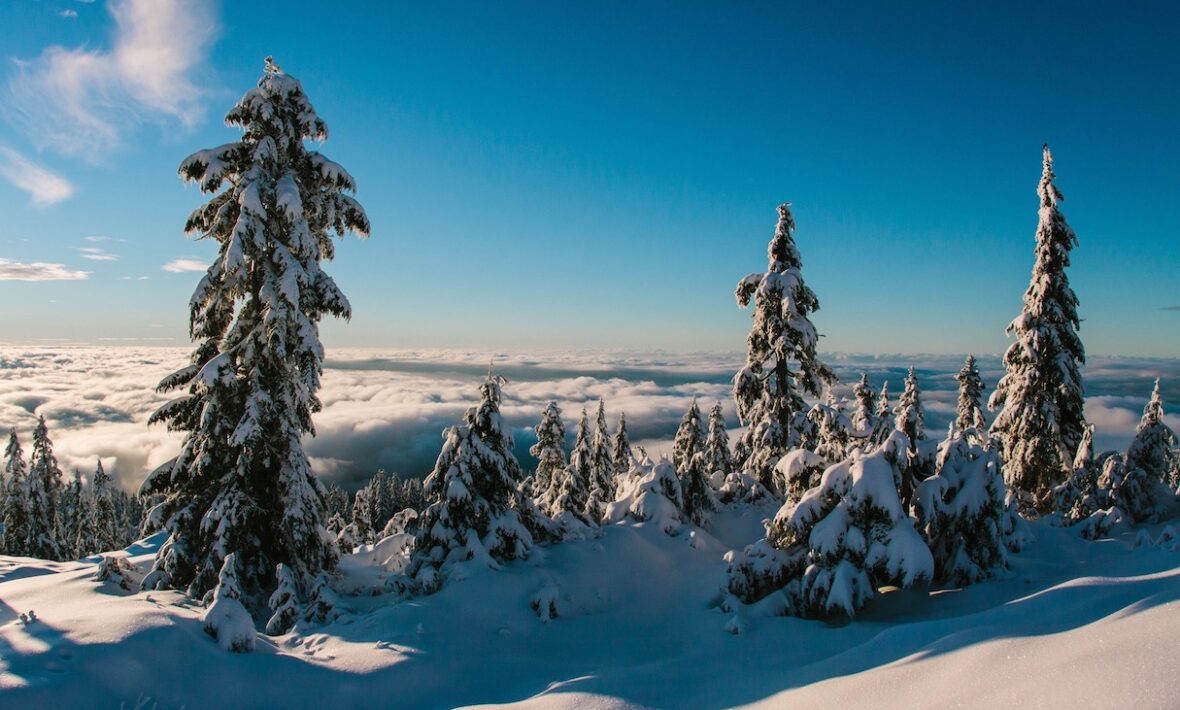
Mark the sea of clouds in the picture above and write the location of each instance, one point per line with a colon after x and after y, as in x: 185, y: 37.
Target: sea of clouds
x: 386, y: 409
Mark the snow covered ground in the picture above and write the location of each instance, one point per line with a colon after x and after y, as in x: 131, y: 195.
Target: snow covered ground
x: 1076, y: 624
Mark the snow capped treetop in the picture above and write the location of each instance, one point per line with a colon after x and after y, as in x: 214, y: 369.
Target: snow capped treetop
x: 909, y: 416
x: 970, y: 394
x: 14, y: 461
x: 690, y: 437
x: 1154, y: 446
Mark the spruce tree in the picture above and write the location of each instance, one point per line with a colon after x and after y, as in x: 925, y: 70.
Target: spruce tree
x: 621, y: 455
x: 718, y: 457
x: 1040, y: 396
x: 44, y: 486
x: 909, y: 419
x: 602, y: 479
x: 474, y: 511
x: 242, y: 483
x: 690, y: 438
x: 16, y: 499
x: 573, y: 490
x: 697, y: 499
x: 833, y: 430
x: 85, y: 543
x: 883, y: 426
x: 105, y: 533
x: 549, y: 449
x: 781, y: 362
x: 864, y: 417
x: 70, y: 514
x: 970, y: 395
x: 1154, y: 446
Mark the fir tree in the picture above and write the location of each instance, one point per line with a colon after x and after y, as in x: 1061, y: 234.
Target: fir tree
x: 44, y: 485
x: 1040, y: 396
x: 283, y: 603
x: 970, y: 395
x: 602, y: 479
x: 242, y: 483
x: 1080, y: 496
x: 781, y: 362
x: 884, y: 418
x: 549, y: 449
x: 573, y: 491
x: 909, y: 419
x: 85, y: 543
x: 473, y: 510
x: 621, y: 455
x: 1154, y: 446
x: 718, y: 457
x: 697, y: 500
x: 833, y: 430
x: 690, y: 438
x: 864, y: 416
x: 104, y: 512
x: 70, y: 515
x: 16, y: 499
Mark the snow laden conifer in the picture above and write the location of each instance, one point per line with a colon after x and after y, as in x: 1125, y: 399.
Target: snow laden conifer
x: 909, y: 419
x: 689, y: 437
x: 105, y: 523
x: 549, y: 449
x: 85, y: 544
x: 884, y: 413
x: 44, y: 487
x: 568, y: 496
x: 71, y: 514
x: 833, y: 430
x: 781, y: 362
x: 717, y: 454
x: 1154, y: 447
x: 650, y: 494
x: 1080, y: 495
x: 864, y: 414
x: 475, y: 509
x: 970, y: 409
x: 622, y: 458
x: 242, y: 483
x: 16, y: 499
x: 1040, y: 396
x: 602, y: 480
x: 1141, y: 487
x: 283, y: 603
x: 226, y: 619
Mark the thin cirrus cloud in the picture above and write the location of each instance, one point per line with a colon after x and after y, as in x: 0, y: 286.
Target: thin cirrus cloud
x: 44, y: 186
x: 80, y: 102
x: 38, y: 271
x: 180, y: 266
x: 97, y: 254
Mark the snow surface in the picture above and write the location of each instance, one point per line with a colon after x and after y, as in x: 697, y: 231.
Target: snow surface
x: 1076, y: 624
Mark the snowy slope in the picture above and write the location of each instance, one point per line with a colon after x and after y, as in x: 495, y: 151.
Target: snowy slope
x: 1077, y: 624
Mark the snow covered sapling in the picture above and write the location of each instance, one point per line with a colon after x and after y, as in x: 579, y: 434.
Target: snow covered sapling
x: 781, y: 362
x: 884, y: 414
x: 242, y: 483
x: 797, y: 472
x: 549, y: 449
x: 44, y: 485
x: 1154, y: 447
x: 697, y: 499
x: 961, y: 512
x: 16, y: 499
x: 602, y: 479
x: 833, y: 430
x: 1140, y: 486
x: 689, y: 438
x: 283, y: 603
x: 622, y: 457
x: 717, y: 454
x: 845, y: 539
x: 226, y: 619
x: 970, y: 409
x: 1080, y: 495
x: 864, y: 415
x: 474, y: 509
x: 1040, y: 396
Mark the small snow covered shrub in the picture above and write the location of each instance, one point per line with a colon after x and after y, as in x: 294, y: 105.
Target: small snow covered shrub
x: 1080, y: 496
x: 797, y: 472
x: 742, y: 487
x: 226, y: 619
x: 119, y: 571
x: 844, y: 540
x: 323, y: 604
x: 697, y: 499
x: 283, y: 603
x: 651, y: 494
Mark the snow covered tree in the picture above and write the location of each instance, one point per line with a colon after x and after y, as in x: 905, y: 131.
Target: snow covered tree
x: 16, y: 499
x: 833, y: 430
x: 226, y: 619
x: 602, y: 479
x: 696, y: 495
x: 1040, y: 396
x: 718, y: 457
x: 105, y: 527
x: 85, y: 543
x: 650, y: 493
x: 884, y: 414
x: 864, y: 416
x: 621, y: 455
x: 970, y: 409
x: 961, y: 512
x: 242, y: 483
x: 689, y: 437
x: 372, y: 508
x: 781, y: 362
x: 1154, y: 446
x: 549, y: 449
x: 283, y: 603
x: 573, y: 492
x: 44, y: 486
x: 70, y: 514
x: 474, y: 511
x: 909, y: 419
x: 844, y: 540
x: 1080, y: 495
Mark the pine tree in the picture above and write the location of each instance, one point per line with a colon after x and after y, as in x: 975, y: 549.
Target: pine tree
x: 833, y: 430
x: 85, y: 542
x: 16, y: 499
x: 473, y: 511
x: 70, y: 514
x: 549, y: 449
x: 1040, y: 396
x: 909, y: 419
x: 718, y: 457
x: 884, y: 418
x: 242, y: 483
x: 621, y: 455
x: 104, y: 512
x: 690, y: 438
x: 970, y: 395
x: 781, y: 362
x: 1080, y: 496
x: 602, y: 479
x: 44, y: 486
x: 572, y: 492
x: 1154, y: 446
x: 283, y: 603
x: 864, y: 417
x: 697, y: 499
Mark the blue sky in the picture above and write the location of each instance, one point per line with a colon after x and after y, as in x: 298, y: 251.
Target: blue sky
x: 596, y: 175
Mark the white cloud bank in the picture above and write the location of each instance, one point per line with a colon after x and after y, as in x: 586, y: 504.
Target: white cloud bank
x: 80, y: 101
x: 38, y: 271
x: 44, y: 187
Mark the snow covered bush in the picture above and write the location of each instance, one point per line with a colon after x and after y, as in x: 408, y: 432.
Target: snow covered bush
x: 1080, y: 495
x: 697, y: 500
x: 781, y: 362
x: 843, y: 541
x: 242, y: 484
x: 650, y: 494
x: 797, y: 472
x: 742, y: 487
x: 226, y: 619
x: 283, y: 603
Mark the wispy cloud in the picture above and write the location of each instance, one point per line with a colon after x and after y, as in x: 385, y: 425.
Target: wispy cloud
x: 71, y: 14
x: 96, y: 254
x: 80, y: 101
x: 1170, y: 308
x: 102, y: 239
x: 135, y: 278
x: 180, y: 266
x: 44, y: 187
x: 38, y: 271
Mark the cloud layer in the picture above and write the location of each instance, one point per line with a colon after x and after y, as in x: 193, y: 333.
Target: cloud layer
x: 44, y: 187
x: 38, y: 271
x: 387, y: 409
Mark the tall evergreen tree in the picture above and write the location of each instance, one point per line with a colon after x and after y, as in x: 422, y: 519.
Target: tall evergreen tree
x: 718, y: 457
x: 1154, y: 446
x: 16, y: 499
x: 474, y: 511
x: 44, y: 488
x: 781, y: 362
x: 602, y: 479
x: 105, y: 526
x: 1040, y: 396
x: 970, y: 408
x: 242, y: 483
x: 574, y: 488
x: 690, y: 438
x: 71, y: 512
x: 549, y: 449
x: 621, y: 455
x: 864, y: 417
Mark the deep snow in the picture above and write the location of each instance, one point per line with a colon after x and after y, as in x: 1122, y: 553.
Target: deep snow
x: 1076, y: 624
